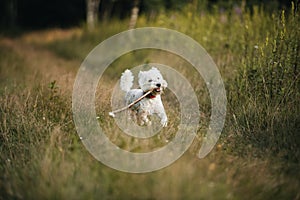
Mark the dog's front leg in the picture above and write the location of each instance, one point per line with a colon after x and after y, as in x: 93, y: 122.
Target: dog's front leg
x: 163, y: 118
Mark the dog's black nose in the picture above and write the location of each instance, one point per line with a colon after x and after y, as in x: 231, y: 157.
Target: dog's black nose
x: 158, y: 84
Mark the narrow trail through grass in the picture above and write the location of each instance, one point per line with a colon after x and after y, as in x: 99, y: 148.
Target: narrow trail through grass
x: 42, y: 62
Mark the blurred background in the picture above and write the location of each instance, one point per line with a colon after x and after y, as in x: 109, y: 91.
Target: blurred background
x: 34, y: 14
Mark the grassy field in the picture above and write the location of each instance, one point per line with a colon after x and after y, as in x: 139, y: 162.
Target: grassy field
x: 257, y: 157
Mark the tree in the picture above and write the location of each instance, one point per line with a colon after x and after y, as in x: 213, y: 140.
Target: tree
x: 92, y: 8
x: 9, y: 13
x: 134, y: 14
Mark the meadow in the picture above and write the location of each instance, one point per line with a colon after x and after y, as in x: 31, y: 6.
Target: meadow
x: 257, y: 156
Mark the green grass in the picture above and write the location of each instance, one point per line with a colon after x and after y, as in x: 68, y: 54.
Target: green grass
x: 257, y: 157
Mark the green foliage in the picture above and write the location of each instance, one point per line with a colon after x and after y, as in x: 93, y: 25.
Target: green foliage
x: 268, y: 85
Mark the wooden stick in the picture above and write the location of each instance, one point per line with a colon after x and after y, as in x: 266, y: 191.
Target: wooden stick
x: 112, y: 114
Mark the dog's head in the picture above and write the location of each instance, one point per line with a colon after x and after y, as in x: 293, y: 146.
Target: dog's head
x: 152, y: 80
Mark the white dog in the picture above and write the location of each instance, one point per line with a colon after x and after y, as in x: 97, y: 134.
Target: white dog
x: 151, y: 104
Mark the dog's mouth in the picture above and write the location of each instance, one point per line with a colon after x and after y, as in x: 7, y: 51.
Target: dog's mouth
x: 154, y: 92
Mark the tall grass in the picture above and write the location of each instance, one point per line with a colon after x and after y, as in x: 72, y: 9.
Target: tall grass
x: 268, y: 86
x: 257, y: 157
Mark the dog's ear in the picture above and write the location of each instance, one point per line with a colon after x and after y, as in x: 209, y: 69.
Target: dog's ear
x: 141, y: 78
x: 141, y: 74
x: 155, y: 69
x: 164, y: 84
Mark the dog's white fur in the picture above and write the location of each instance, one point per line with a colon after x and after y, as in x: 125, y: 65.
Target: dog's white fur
x: 152, y: 104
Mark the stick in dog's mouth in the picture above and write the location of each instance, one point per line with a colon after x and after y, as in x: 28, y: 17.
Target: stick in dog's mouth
x: 112, y: 114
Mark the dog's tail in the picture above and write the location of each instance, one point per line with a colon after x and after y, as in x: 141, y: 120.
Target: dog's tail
x: 126, y: 81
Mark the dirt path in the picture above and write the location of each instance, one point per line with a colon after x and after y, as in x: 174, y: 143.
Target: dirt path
x: 42, y: 62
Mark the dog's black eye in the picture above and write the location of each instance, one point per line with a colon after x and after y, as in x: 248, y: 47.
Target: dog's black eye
x: 150, y: 81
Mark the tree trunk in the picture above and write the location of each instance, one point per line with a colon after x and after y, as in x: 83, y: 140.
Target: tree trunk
x: 11, y: 8
x: 134, y: 14
x: 92, y: 7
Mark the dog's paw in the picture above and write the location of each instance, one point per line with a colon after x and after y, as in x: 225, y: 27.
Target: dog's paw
x: 148, y: 123
x: 164, y: 122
